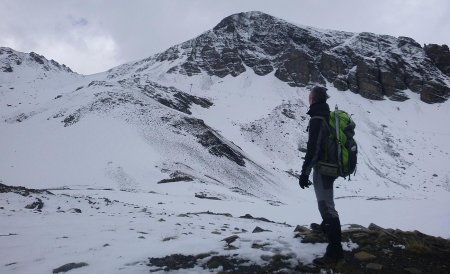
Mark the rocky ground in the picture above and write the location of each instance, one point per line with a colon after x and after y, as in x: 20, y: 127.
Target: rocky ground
x: 383, y: 250
x: 229, y: 244
x: 379, y: 251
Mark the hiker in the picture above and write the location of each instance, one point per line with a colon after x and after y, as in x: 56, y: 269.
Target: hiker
x: 323, y: 185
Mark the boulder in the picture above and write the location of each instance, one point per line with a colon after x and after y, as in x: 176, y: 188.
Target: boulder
x: 412, y: 270
x: 364, y: 256
x: 69, y: 266
x: 374, y: 266
x: 230, y: 239
x: 37, y: 204
x: 259, y: 229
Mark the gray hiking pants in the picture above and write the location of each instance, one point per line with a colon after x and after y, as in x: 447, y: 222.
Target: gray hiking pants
x: 323, y: 186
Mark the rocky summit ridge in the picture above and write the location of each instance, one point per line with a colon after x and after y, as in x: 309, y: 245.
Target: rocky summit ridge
x: 11, y: 60
x: 375, y: 66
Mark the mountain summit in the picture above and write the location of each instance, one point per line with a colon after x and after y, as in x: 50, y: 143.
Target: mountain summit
x: 375, y: 66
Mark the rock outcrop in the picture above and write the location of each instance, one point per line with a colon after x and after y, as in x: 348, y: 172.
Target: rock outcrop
x: 440, y: 55
x: 375, y: 66
x: 10, y: 60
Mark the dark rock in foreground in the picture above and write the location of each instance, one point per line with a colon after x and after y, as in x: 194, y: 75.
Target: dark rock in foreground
x: 38, y: 204
x: 228, y: 264
x: 69, y: 266
x: 379, y: 250
x: 22, y: 190
x: 259, y: 230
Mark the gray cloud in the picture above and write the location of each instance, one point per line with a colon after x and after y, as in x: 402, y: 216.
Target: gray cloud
x: 93, y: 36
x: 82, y: 22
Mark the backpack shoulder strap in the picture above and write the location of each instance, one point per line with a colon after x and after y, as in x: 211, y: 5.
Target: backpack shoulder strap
x: 314, y: 117
x: 318, y: 117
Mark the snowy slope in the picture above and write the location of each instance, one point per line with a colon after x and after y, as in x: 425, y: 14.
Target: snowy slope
x: 162, y: 144
x: 89, y: 133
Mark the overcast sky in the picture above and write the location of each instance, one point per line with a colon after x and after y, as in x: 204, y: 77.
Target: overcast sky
x: 93, y: 36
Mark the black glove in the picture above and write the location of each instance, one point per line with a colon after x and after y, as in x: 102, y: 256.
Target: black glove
x: 304, y: 181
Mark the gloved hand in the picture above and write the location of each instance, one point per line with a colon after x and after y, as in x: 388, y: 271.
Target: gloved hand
x: 304, y: 181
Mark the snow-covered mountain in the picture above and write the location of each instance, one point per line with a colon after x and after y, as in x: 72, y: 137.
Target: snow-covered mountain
x: 371, y: 65
x: 223, y: 117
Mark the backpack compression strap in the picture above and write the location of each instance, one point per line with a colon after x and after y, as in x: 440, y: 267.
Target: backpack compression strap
x: 337, y: 125
x: 319, y: 140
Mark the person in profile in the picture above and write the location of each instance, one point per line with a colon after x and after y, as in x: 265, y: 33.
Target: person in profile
x: 318, y: 132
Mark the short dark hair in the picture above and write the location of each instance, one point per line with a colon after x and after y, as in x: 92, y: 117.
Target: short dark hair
x: 319, y: 94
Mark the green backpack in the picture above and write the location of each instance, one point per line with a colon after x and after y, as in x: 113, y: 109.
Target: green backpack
x: 339, y: 155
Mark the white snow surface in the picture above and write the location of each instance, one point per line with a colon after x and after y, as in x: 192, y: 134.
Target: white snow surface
x: 107, y: 162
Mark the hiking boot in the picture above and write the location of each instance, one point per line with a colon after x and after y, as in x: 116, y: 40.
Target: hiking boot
x: 334, y: 253
x: 327, y: 261
x: 315, y: 227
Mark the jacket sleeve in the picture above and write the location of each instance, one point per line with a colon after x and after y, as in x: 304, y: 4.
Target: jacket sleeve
x: 313, y: 146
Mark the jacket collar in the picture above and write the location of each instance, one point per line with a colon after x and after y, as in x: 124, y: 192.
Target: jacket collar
x: 319, y: 109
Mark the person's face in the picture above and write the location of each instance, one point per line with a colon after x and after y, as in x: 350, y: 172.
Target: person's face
x: 311, y: 99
